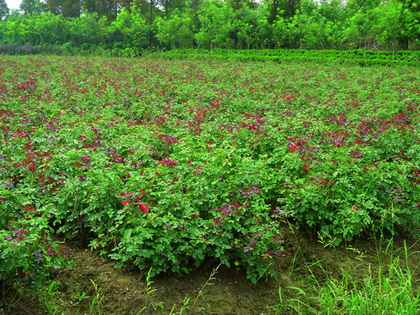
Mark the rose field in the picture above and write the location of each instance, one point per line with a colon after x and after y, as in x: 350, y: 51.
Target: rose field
x: 168, y: 166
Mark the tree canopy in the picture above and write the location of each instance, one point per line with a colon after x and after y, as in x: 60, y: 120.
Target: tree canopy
x: 239, y: 24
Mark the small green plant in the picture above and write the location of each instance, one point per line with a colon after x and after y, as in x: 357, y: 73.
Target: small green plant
x: 95, y: 303
x: 302, y: 303
x: 50, y: 296
x: 279, y: 307
x: 150, y: 292
x: 79, y: 296
x: 9, y: 297
x: 211, y: 278
x: 186, y: 306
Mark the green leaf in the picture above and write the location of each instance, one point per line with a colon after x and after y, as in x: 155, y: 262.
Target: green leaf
x: 127, y: 233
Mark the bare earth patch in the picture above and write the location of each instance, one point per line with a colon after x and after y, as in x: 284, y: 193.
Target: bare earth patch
x: 121, y: 291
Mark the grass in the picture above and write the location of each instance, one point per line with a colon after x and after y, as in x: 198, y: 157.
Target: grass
x: 390, y: 289
x: 383, y: 292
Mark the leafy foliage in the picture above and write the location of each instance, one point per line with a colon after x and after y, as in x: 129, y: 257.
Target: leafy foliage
x: 130, y: 27
x: 4, y: 10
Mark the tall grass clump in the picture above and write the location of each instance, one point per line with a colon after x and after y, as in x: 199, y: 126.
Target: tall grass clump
x: 391, y: 288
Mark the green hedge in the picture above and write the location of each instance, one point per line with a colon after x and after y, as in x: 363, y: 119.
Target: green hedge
x: 350, y: 57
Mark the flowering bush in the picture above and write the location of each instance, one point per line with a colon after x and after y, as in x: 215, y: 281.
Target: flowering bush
x: 167, y: 164
x: 27, y: 252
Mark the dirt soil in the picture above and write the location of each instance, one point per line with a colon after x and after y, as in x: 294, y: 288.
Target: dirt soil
x: 121, y: 291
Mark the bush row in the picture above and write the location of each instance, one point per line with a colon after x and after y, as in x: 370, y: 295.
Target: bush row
x: 351, y: 57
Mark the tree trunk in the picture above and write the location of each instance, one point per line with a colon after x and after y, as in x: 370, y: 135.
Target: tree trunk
x: 403, y: 43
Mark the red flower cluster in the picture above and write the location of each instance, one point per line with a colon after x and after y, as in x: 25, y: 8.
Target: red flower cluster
x: 168, y: 162
x: 168, y: 139
x: 135, y: 199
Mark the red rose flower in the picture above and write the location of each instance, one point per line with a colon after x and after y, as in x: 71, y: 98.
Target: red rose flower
x: 32, y: 167
x: 143, y: 207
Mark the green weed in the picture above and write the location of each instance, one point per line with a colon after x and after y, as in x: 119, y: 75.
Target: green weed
x: 387, y: 290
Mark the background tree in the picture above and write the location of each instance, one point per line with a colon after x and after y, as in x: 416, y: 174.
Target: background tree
x: 241, y: 24
x: 54, y: 6
x: 133, y: 28
x: 288, y: 7
x: 107, y: 8
x: 274, y: 9
x: 89, y: 31
x: 238, y: 4
x: 167, y: 5
x: 4, y: 10
x: 71, y: 8
x: 194, y: 4
x: 215, y: 23
x: 31, y: 7
x: 88, y: 5
x: 332, y: 10
x: 176, y: 31
x: 245, y: 27
x: 410, y: 23
x: 151, y: 7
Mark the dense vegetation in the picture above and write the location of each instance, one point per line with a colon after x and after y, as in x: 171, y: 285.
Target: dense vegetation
x: 167, y: 164
x: 245, y: 117
x: 359, y: 57
x: 127, y: 27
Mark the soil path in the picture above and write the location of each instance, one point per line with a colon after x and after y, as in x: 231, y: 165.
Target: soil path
x: 94, y: 285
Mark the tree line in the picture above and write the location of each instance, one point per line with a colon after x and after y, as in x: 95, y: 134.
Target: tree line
x: 128, y: 25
